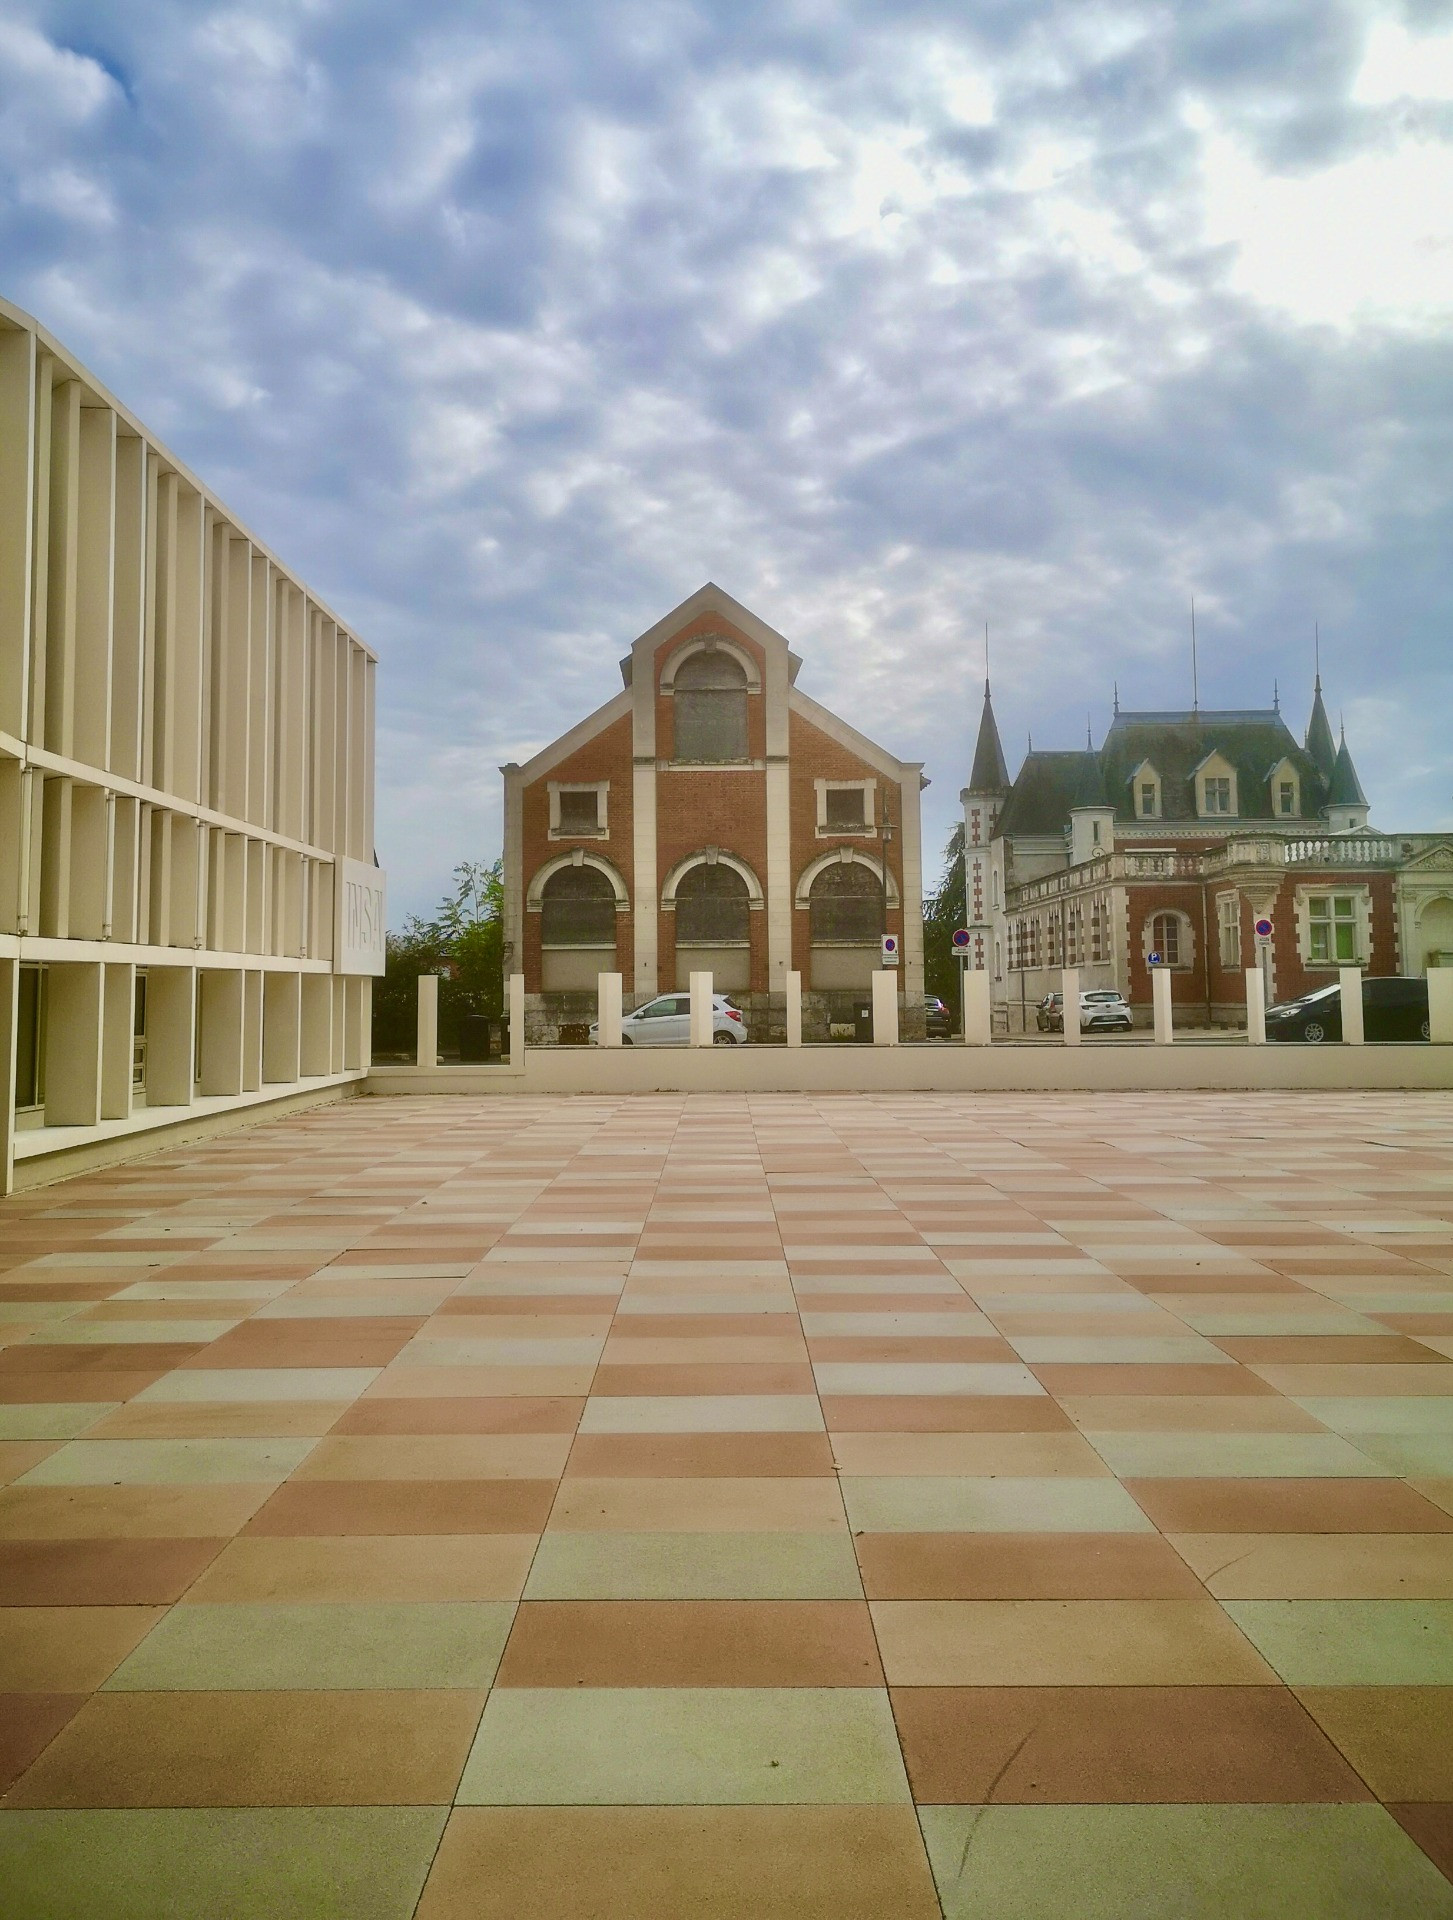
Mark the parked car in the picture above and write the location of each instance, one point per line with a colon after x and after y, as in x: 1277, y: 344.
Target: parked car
x: 938, y: 1022
x: 1392, y: 1009
x: 666, y: 1022
x: 1102, y: 1010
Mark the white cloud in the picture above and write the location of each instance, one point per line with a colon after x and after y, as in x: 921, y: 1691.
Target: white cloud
x: 1399, y: 65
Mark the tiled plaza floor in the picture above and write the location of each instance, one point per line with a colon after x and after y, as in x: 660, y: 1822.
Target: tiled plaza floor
x: 1029, y: 1508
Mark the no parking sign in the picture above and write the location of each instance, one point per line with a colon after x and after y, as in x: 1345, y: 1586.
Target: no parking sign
x: 1262, y: 927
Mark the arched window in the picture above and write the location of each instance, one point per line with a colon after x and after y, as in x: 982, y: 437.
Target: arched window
x: 578, y: 909
x: 846, y: 905
x: 1165, y: 939
x: 711, y: 707
x: 711, y: 907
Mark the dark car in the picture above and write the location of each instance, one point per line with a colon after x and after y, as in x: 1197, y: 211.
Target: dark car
x: 1049, y: 1015
x: 938, y: 1022
x: 1392, y: 1009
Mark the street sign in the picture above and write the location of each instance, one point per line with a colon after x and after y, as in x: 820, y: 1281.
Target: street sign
x: 961, y: 940
x: 1263, y: 928
x: 890, y: 949
x: 1155, y: 960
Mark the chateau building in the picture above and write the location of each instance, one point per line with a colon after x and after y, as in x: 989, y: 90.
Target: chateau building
x: 711, y: 816
x: 1170, y: 840
x: 190, y: 912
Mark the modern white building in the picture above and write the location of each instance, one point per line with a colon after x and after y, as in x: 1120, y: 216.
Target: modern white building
x: 190, y: 910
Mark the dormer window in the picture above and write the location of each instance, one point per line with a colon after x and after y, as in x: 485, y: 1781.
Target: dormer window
x: 1145, y: 790
x: 1216, y: 788
x: 1286, y: 791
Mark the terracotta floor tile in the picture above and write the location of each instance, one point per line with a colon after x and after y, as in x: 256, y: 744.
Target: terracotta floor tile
x: 1287, y: 1506
x: 1328, y: 1350
x: 460, y: 1414
x: 712, y: 1863
x: 21, y: 1389
x: 1321, y: 1566
x: 735, y: 1456
x: 1070, y: 1380
x: 681, y: 1643
x: 779, y: 1377
x: 1432, y: 1827
x: 1022, y: 1566
x: 1083, y: 1745
x: 234, y: 1419
x: 28, y: 1724
x: 304, y: 1343
x: 108, y: 1573
x: 221, y: 1749
x: 122, y: 1513
x: 368, y: 1567
x: 340, y: 1507
x: 697, y: 1505
x: 67, y: 1649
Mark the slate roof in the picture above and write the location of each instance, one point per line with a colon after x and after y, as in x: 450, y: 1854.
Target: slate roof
x: 1346, y: 788
x: 989, y: 775
x: 1320, y: 744
x: 1255, y: 741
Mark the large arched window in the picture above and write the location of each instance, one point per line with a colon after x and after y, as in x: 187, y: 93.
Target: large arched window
x: 711, y: 907
x: 1169, y: 936
x: 710, y: 693
x: 578, y: 909
x: 846, y: 905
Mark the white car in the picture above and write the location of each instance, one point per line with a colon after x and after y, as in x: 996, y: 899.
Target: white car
x: 1101, y: 1009
x: 666, y: 1022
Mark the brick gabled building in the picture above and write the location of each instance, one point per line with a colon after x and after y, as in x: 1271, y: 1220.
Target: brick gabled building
x: 1171, y: 838
x: 712, y: 816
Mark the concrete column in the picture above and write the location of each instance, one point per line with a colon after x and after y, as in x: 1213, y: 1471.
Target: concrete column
x: 517, y: 1021
x: 352, y: 1025
x: 281, y: 1026
x: 171, y: 1017
x: 977, y: 1007
x: 1255, y: 1007
x: 700, y: 1009
x: 428, y: 1050
x: 1350, y: 981
x: 885, y: 1007
x: 1440, y: 1005
x: 316, y: 1038
x: 73, y: 1044
x: 794, y: 1009
x: 117, y: 1031
x: 9, y: 1021
x: 1070, y: 1000
x: 222, y: 1025
x: 608, y: 1009
x: 1160, y: 989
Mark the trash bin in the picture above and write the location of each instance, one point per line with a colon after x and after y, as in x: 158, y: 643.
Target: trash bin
x: 473, y: 1038
x: 863, y: 1023
x: 574, y: 1033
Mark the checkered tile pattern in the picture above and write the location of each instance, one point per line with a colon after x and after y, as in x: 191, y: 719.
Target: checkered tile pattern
x: 757, y: 1506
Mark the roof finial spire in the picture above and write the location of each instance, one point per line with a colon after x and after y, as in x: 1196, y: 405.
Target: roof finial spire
x: 1317, y: 654
x: 1276, y: 696
x: 986, y: 659
x: 1195, y: 679
x: 1089, y: 737
x: 1029, y: 737
x: 1116, y: 685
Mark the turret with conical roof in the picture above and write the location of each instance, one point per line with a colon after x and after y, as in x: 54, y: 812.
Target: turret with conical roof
x: 1321, y: 748
x: 989, y: 775
x: 1347, y: 805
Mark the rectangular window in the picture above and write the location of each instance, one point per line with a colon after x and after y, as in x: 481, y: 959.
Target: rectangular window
x: 580, y: 811
x: 1332, y: 918
x: 1228, y: 915
x: 138, y: 1036
x: 1147, y: 800
x: 30, y: 1040
x: 845, y: 810
x: 1287, y: 797
x: 1218, y: 793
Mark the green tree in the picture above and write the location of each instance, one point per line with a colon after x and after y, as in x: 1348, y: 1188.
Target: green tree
x: 464, y: 941
x: 943, y: 910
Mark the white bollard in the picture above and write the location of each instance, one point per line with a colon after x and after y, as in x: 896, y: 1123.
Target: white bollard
x: 977, y: 1017
x: 517, y: 1021
x: 1255, y: 1007
x: 428, y: 1049
x: 1160, y: 991
x: 1070, y: 1001
x: 885, y: 1007
x: 794, y: 1009
x: 700, y: 1009
x: 1440, y: 1005
x: 608, y: 1009
x: 1350, y: 994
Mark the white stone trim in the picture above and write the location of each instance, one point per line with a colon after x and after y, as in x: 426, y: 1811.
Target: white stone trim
x: 851, y: 856
x: 577, y: 857
x: 710, y: 643
x: 600, y: 788
x: 901, y: 772
x: 708, y: 857
x: 1216, y: 766
x: 1284, y: 770
x: 1361, y: 897
x: 1186, y: 941
x: 548, y: 758
x: 1144, y: 775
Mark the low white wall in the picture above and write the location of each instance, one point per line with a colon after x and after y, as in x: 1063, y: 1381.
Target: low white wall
x: 1104, y: 1067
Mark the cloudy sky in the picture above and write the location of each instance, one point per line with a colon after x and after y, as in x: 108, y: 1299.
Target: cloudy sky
x: 509, y: 325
